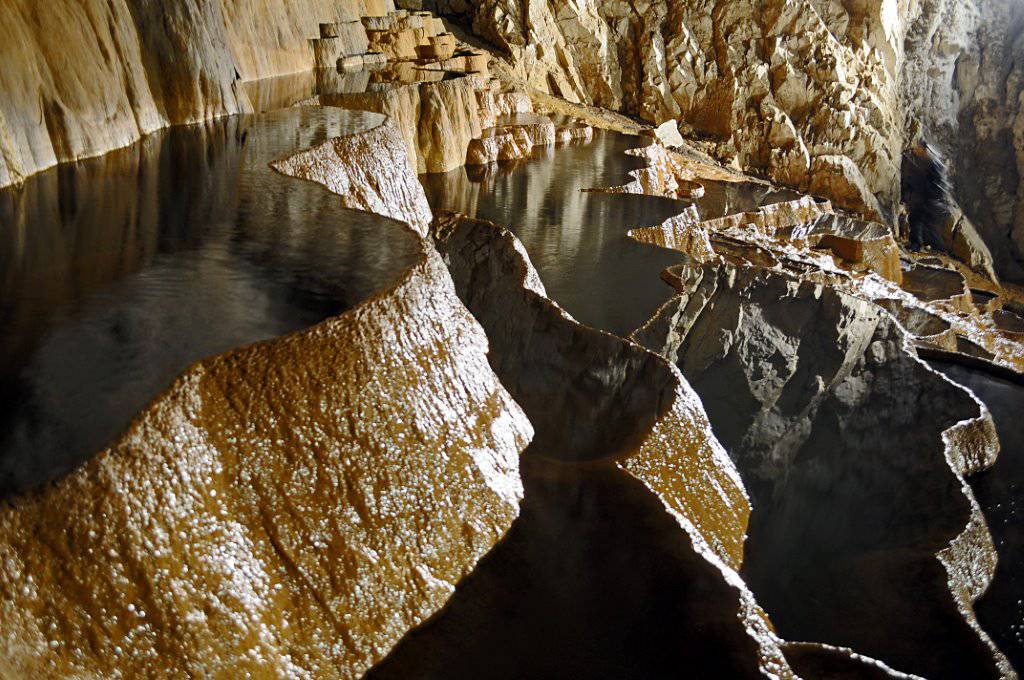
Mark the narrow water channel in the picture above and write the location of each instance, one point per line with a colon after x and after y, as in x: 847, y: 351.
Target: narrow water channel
x: 1000, y: 491
x: 576, y: 240
x: 589, y: 266
x: 121, y: 271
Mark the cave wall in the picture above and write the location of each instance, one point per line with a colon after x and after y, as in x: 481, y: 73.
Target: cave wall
x: 819, y: 94
x: 963, y: 86
x: 82, y: 77
x: 805, y: 92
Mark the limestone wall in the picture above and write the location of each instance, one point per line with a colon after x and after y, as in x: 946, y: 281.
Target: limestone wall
x: 82, y: 77
x: 822, y: 95
x: 804, y: 96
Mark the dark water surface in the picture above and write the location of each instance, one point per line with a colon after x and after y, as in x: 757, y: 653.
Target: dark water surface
x: 119, y: 272
x: 1000, y: 491
x: 539, y: 593
x: 595, y: 580
x: 576, y: 240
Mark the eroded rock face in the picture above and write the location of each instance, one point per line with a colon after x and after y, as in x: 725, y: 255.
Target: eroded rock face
x: 380, y: 153
x: 282, y: 509
x: 962, y: 84
x: 438, y: 119
x: 792, y: 374
x: 814, y: 106
x: 818, y: 94
x: 82, y: 78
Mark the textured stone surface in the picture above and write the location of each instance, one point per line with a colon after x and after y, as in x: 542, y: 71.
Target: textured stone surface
x: 818, y: 94
x: 290, y: 508
x: 792, y: 374
x: 964, y: 77
x: 82, y: 78
x: 627, y: 405
x: 352, y: 167
x: 438, y: 119
x: 774, y: 83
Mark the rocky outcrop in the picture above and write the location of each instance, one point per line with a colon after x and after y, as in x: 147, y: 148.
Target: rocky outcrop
x: 441, y: 119
x: 799, y: 94
x: 517, y: 140
x: 632, y: 413
x: 351, y: 167
x: 792, y: 373
x: 962, y: 83
x: 817, y: 94
x: 269, y: 481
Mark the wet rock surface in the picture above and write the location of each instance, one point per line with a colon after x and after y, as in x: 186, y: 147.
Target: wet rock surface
x: 787, y: 370
x: 530, y: 608
x: 143, y: 262
x: 296, y: 507
x: 998, y: 490
x: 268, y: 514
x: 577, y: 241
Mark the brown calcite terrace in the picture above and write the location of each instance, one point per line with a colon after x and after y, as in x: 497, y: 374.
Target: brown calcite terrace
x: 444, y: 339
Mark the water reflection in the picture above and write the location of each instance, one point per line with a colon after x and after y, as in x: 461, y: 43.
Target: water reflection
x: 999, y: 491
x: 576, y: 240
x: 334, y: 85
x: 119, y: 272
x: 594, y: 580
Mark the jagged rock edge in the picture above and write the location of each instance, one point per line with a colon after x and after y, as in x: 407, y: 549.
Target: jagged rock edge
x: 427, y: 267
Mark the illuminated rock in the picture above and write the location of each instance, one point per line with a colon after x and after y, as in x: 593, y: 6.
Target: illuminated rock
x: 629, y: 408
x: 438, y: 119
x: 289, y: 508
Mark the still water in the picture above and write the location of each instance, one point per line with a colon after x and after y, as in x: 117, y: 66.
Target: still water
x: 1000, y: 491
x: 595, y: 579
x: 576, y: 240
x: 121, y: 271
x: 561, y: 573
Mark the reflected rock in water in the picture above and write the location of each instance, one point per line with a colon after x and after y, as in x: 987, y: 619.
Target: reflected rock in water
x: 121, y: 271
x: 631, y: 506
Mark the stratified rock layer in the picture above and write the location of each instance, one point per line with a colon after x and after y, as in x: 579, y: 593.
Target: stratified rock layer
x: 291, y: 508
